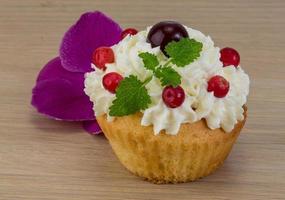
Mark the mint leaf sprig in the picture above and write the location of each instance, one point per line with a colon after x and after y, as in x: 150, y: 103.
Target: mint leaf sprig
x: 181, y: 53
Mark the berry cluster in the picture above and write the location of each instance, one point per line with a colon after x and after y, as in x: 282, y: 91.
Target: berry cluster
x: 160, y: 35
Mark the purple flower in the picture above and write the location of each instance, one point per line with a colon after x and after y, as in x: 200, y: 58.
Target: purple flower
x: 59, y: 90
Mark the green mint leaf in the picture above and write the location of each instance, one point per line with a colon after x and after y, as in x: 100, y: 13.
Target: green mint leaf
x: 131, y: 97
x: 183, y: 52
x: 150, y: 60
x: 168, y: 76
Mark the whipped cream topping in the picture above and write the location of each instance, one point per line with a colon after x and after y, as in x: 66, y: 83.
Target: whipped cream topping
x: 199, y: 103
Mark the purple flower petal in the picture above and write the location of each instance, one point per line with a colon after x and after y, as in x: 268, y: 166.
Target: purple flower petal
x: 60, y: 94
x: 54, y: 70
x: 92, y: 30
x: 92, y: 127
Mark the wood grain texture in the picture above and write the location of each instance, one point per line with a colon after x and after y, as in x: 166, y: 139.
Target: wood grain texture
x: 45, y: 159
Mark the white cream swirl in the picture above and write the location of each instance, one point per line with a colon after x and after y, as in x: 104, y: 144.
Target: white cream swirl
x: 198, y: 104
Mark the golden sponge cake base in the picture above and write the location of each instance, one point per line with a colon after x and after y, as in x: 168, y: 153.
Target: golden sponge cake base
x: 196, y: 151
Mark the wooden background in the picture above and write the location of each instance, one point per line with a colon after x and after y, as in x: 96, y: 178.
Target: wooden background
x: 45, y: 159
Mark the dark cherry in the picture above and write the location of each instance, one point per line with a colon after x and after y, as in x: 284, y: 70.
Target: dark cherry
x: 111, y: 81
x: 173, y: 97
x: 219, y: 85
x: 164, y: 32
x: 229, y: 56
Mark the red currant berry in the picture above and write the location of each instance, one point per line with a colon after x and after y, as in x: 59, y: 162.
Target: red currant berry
x: 219, y: 85
x: 128, y: 31
x: 101, y: 56
x: 111, y: 81
x: 229, y: 56
x: 173, y: 96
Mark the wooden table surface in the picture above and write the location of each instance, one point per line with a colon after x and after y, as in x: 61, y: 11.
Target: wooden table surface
x: 46, y: 159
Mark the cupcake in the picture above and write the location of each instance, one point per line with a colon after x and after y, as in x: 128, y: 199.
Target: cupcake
x: 170, y: 102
